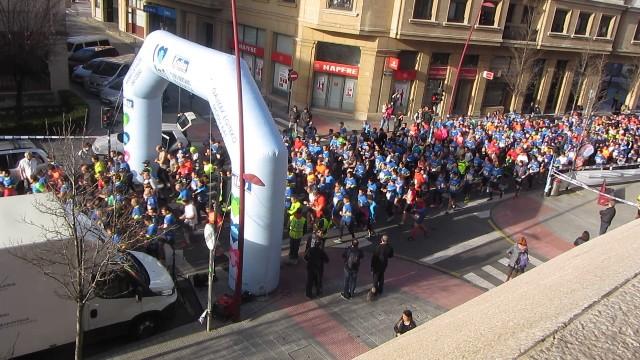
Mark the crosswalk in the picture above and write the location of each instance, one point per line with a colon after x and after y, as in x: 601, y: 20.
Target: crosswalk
x: 494, y: 274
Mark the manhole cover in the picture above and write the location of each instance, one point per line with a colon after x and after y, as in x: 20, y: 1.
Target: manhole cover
x: 308, y: 352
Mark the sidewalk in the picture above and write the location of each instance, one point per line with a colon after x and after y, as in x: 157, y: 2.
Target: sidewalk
x: 286, y: 324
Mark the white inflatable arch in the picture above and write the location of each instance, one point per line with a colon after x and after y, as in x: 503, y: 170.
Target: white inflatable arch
x: 211, y: 75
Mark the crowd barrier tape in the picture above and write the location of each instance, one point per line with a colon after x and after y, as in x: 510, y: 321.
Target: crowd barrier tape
x: 44, y: 137
x: 575, y: 182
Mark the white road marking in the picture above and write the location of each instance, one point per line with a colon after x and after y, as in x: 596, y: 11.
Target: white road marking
x: 462, y: 247
x: 532, y: 260
x: 479, y: 281
x: 495, y: 273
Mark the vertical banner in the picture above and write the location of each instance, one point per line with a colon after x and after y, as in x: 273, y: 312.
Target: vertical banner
x: 283, y: 78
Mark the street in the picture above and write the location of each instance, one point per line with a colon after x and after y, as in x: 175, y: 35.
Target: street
x: 463, y: 255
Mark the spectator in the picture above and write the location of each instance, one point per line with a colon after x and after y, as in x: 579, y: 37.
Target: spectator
x: 606, y: 217
x: 351, y: 257
x: 404, y: 324
x: 582, y: 238
x: 379, y: 262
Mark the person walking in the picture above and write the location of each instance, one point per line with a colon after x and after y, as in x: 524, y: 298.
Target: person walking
x: 606, y: 216
x: 27, y: 167
x: 379, y: 262
x: 296, y: 231
x: 346, y: 219
x: 351, y: 256
x: 405, y: 323
x: 518, y: 258
x: 294, y: 118
x: 315, y: 257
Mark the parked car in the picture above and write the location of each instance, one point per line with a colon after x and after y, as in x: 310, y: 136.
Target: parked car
x: 108, y: 70
x: 12, y: 151
x: 76, y: 43
x: 85, y: 55
x: 82, y: 72
x: 110, y: 95
x: 171, y: 136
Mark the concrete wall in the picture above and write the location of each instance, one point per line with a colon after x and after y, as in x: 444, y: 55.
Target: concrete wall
x: 513, y: 319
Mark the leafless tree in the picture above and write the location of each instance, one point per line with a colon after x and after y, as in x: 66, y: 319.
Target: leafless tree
x: 80, y: 252
x: 523, y: 52
x: 29, y: 30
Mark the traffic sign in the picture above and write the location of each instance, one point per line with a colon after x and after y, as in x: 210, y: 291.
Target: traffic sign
x: 293, y: 75
x: 487, y: 75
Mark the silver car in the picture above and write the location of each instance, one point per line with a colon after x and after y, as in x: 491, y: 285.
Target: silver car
x: 111, y: 94
x: 82, y: 72
x: 171, y: 136
x: 108, y: 70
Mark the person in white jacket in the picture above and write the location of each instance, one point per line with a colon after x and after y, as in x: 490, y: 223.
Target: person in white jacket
x: 26, y: 167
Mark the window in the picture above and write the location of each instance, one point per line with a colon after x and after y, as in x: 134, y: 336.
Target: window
x: 340, y: 4
x: 583, y: 23
x: 457, y: 9
x: 470, y: 61
x: 136, y: 4
x: 527, y: 14
x: 289, y: 1
x: 423, y: 9
x: 605, y: 26
x: 487, y: 16
x: 512, y: 8
x: 439, y: 59
x: 559, y: 21
x: 636, y: 36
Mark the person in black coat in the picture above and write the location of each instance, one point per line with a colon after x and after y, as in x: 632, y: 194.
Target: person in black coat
x: 379, y: 261
x: 315, y: 258
x: 606, y: 217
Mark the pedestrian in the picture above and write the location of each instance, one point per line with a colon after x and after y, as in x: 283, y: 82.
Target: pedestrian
x: 582, y: 238
x: 346, y: 219
x: 315, y: 257
x: 351, y: 256
x: 379, y: 262
x: 405, y: 323
x: 294, y: 118
x: 27, y: 167
x: 296, y: 231
x: 606, y: 216
x: 518, y: 258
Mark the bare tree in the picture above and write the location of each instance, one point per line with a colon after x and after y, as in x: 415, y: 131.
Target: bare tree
x: 523, y: 52
x: 29, y: 30
x: 81, y: 251
x: 594, y: 73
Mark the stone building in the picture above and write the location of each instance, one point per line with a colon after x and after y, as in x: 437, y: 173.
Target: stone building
x: 352, y: 55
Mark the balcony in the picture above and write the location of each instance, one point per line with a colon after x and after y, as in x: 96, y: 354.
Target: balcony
x: 519, y: 33
x: 209, y: 4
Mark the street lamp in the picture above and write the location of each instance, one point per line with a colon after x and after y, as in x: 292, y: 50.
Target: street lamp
x: 487, y: 4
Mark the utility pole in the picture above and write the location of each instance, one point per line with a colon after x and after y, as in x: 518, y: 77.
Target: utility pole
x: 210, y: 239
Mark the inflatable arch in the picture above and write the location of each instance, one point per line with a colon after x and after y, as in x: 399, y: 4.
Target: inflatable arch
x: 211, y: 75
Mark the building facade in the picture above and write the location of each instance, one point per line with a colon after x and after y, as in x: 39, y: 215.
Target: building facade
x: 353, y: 55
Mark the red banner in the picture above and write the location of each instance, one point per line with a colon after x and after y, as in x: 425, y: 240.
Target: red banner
x: 281, y: 58
x: 404, y: 75
x: 438, y: 72
x: 334, y: 68
x: 468, y: 73
x: 248, y: 48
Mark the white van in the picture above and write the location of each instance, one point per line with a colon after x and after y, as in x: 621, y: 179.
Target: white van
x: 33, y: 314
x: 109, y: 69
x: 75, y: 43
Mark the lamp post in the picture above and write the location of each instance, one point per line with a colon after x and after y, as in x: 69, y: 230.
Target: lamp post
x: 487, y: 4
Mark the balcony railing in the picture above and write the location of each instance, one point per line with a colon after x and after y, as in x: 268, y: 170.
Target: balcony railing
x: 340, y: 4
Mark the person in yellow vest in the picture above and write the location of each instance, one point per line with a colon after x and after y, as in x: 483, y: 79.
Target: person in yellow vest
x: 295, y: 205
x: 296, y: 231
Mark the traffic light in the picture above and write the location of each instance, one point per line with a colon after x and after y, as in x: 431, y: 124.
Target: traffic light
x: 436, y: 98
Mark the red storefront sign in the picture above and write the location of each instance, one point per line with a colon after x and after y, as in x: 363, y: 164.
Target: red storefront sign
x: 248, y: 48
x: 281, y: 58
x: 403, y: 75
x: 334, y: 68
x: 438, y: 72
x: 468, y: 73
x: 391, y: 63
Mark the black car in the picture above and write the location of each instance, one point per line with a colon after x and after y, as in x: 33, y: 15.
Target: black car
x: 83, y: 56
